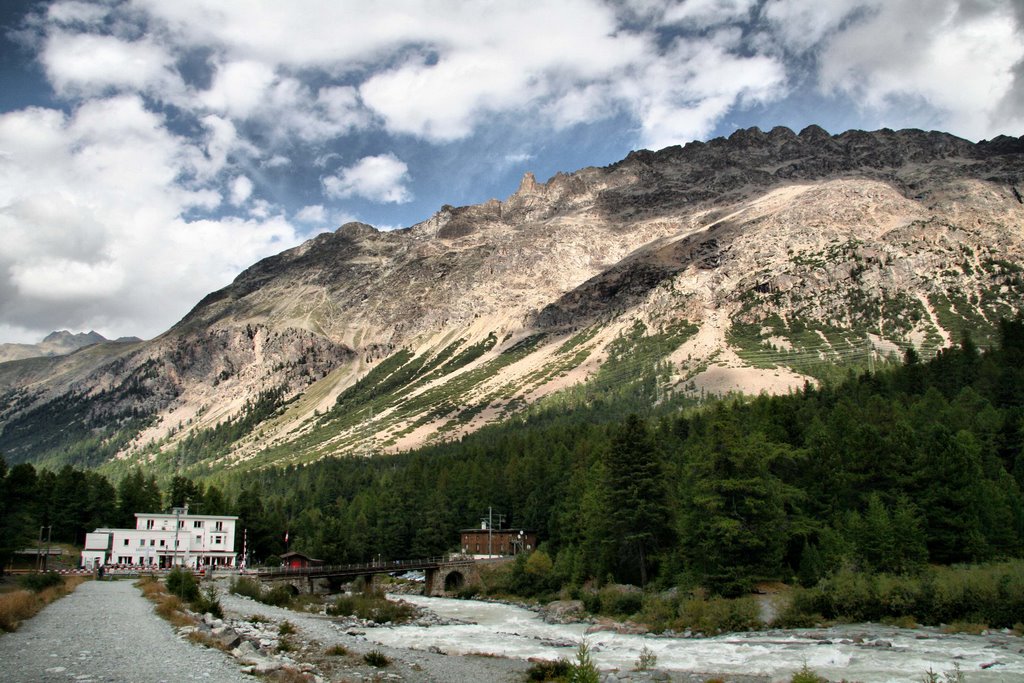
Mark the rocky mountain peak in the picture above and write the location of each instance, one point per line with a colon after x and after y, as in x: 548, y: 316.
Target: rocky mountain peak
x: 356, y: 230
x: 80, y: 339
x: 744, y: 263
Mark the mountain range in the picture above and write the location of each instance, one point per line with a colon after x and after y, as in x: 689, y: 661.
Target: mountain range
x: 753, y: 263
x: 56, y: 343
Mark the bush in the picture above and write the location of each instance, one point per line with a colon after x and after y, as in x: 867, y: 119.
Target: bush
x: 246, y: 587
x: 15, y: 607
x: 208, y: 602
x: 990, y: 594
x: 583, y: 670
x: 183, y: 584
x: 338, y: 650
x: 549, y: 671
x: 806, y: 675
x: 372, y: 607
x: 286, y: 628
x: 376, y: 658
x: 278, y: 596
x: 647, y: 659
x: 719, y: 615
x: 618, y: 602
x: 40, y: 582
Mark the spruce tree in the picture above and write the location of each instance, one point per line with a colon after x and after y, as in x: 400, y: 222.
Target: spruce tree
x: 637, y: 506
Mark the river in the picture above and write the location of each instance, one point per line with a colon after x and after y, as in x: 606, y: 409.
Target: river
x: 868, y: 653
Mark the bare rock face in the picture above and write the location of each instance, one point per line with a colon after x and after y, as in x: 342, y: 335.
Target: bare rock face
x: 739, y: 264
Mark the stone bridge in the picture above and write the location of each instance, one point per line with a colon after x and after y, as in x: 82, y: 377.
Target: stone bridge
x: 444, y: 575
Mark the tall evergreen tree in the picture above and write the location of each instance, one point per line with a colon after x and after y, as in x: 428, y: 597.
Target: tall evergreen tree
x: 636, y: 505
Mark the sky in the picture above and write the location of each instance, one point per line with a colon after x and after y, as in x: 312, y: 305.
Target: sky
x: 150, y: 150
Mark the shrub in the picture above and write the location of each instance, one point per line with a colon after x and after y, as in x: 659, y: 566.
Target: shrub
x: 583, y: 670
x: 618, y: 602
x: 39, y: 582
x: 719, y: 615
x: 984, y: 594
x: 246, y: 587
x: 286, y: 628
x: 15, y: 607
x: 183, y: 583
x: 806, y: 675
x: 376, y: 658
x: 338, y: 650
x: 647, y: 659
x: 278, y: 596
x: 372, y: 607
x: 549, y: 671
x: 207, y: 602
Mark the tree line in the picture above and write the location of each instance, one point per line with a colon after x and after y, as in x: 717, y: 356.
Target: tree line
x: 885, y: 471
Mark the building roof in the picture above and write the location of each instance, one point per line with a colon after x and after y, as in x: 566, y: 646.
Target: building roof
x: 171, y: 515
x: 297, y: 554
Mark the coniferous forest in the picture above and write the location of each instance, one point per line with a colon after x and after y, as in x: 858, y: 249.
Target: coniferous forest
x: 914, y: 465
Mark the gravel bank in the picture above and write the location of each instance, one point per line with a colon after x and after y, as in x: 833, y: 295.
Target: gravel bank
x: 317, y: 633
x: 106, y: 631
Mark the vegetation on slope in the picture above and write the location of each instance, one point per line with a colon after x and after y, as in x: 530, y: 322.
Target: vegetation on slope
x: 883, y: 472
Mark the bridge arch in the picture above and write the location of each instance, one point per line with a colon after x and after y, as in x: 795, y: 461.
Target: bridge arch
x: 454, y: 580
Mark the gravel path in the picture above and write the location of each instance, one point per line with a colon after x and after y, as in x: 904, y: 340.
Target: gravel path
x: 106, y: 631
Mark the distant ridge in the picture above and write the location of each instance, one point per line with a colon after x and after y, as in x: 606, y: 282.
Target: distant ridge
x: 59, y: 343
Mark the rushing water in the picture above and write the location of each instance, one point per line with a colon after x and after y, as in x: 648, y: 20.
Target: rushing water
x: 868, y: 653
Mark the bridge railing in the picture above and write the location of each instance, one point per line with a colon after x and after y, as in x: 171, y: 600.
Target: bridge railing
x: 385, y: 566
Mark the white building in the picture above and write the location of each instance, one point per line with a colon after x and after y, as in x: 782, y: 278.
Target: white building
x: 162, y: 540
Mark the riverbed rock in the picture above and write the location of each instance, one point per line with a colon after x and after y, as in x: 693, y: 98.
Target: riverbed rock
x: 564, y: 612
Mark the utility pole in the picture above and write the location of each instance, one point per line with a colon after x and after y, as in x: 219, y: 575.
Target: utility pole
x: 41, y: 563
x: 177, y: 528
x: 490, y: 529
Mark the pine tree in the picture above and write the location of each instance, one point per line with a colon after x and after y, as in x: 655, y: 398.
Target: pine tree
x: 636, y: 504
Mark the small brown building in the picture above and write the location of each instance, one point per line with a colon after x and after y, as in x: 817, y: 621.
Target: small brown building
x: 295, y: 560
x: 486, y: 541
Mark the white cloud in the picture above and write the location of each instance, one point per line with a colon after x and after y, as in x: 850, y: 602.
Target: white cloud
x: 239, y: 88
x: 241, y: 190
x: 379, y: 178
x: 277, y: 161
x: 83, y: 63
x: 75, y: 12
x: 956, y: 58
x: 800, y: 24
x: 92, y: 209
x: 314, y: 213
x: 683, y: 96
x: 708, y: 12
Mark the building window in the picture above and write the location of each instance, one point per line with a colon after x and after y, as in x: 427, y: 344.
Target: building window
x: 181, y: 524
x: 149, y: 524
x: 218, y: 526
x: 152, y: 542
x: 142, y: 542
x: 199, y: 539
x: 197, y: 524
x: 161, y: 543
x: 126, y: 541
